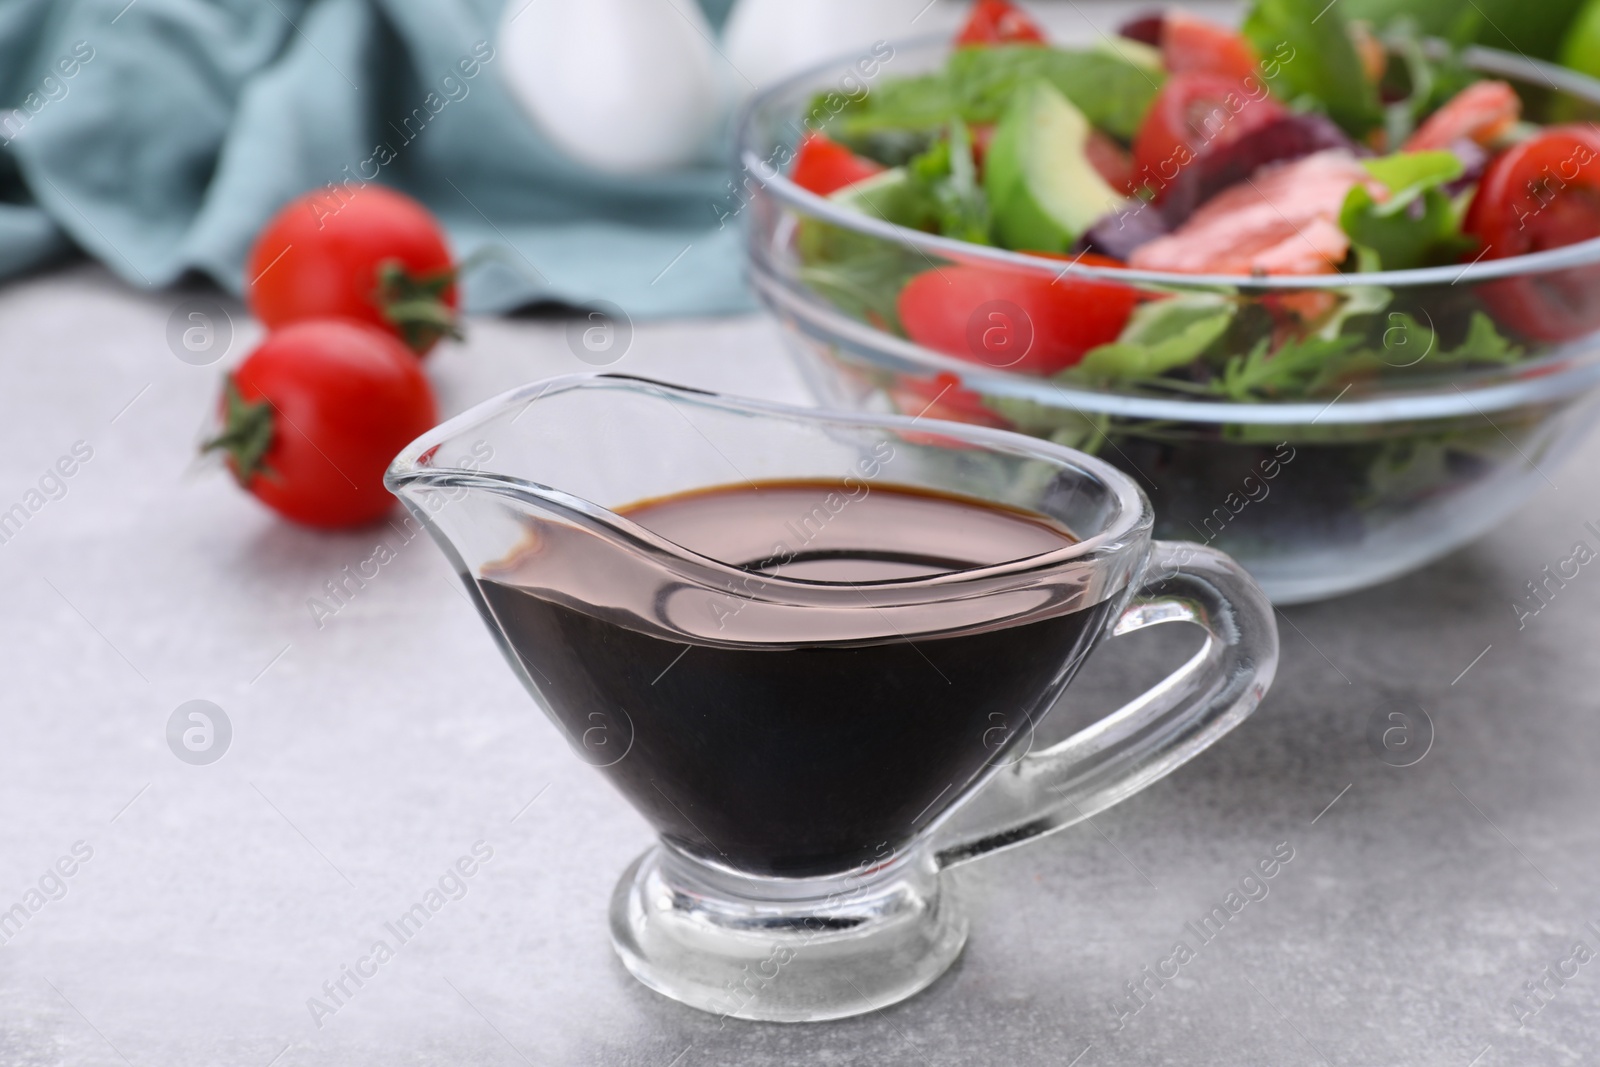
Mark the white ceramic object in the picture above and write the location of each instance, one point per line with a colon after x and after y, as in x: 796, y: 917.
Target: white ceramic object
x: 626, y: 86
x: 767, y: 40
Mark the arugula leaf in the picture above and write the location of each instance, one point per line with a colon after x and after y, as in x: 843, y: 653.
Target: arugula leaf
x: 1418, y: 225
x: 1323, y: 65
x: 947, y: 177
x: 1298, y: 368
x: 1161, y: 335
x: 1482, y: 344
x: 1302, y: 368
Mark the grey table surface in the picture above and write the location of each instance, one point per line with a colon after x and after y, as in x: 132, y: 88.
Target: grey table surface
x: 369, y: 753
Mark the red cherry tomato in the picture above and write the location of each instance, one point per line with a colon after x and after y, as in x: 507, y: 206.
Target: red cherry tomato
x: 823, y: 165
x: 1190, y: 44
x: 370, y: 254
x: 1193, y: 114
x: 312, y: 418
x: 942, y: 397
x: 1011, y: 319
x: 1543, y: 193
x: 998, y: 22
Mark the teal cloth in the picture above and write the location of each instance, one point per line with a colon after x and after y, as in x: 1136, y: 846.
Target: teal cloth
x: 191, y: 122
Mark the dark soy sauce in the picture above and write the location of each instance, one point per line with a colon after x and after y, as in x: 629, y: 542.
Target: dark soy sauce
x: 771, y: 755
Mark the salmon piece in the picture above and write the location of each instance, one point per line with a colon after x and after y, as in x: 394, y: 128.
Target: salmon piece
x: 1283, y: 220
x: 1481, y: 112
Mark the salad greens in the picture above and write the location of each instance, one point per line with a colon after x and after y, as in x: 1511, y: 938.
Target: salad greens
x: 1160, y: 336
x: 1325, y: 71
x: 1419, y: 225
x: 1125, y: 147
x: 975, y: 86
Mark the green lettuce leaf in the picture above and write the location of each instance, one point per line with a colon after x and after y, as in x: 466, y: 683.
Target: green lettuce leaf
x: 1321, y: 68
x: 1419, y: 225
x: 1112, y: 91
x: 1160, y: 336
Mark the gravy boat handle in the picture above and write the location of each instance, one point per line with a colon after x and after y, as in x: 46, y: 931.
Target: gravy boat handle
x: 1182, y: 716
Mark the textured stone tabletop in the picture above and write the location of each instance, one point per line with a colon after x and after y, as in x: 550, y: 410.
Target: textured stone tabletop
x: 206, y: 904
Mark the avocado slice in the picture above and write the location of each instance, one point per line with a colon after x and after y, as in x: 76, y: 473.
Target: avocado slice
x: 1043, y: 190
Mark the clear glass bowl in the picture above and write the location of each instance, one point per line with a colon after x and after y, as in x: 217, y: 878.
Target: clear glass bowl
x: 1392, y: 459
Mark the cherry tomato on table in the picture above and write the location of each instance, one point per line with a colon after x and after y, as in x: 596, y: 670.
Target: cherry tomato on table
x: 370, y: 254
x: 1543, y: 193
x: 1196, y: 113
x: 998, y: 22
x: 312, y: 418
x: 823, y: 165
x: 1012, y: 319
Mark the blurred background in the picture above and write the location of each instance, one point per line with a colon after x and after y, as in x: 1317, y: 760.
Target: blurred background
x: 587, y: 142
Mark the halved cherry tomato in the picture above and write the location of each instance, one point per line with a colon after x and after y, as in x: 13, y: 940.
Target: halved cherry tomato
x: 1193, y: 114
x: 372, y: 254
x: 1481, y: 112
x: 1012, y: 319
x: 823, y: 165
x: 1543, y: 193
x: 1190, y: 43
x: 998, y: 22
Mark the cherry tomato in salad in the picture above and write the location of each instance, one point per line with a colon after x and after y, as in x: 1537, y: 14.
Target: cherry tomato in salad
x: 942, y: 397
x: 370, y: 254
x: 1190, y: 43
x: 1543, y: 193
x: 823, y: 165
x: 313, y: 416
x: 1011, y: 319
x: 1193, y: 114
x: 1482, y: 112
x: 998, y: 22
x: 1111, y: 161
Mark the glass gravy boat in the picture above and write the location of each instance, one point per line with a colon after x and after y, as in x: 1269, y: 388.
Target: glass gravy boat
x: 813, y: 753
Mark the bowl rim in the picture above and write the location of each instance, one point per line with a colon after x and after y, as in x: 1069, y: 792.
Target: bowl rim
x: 1478, y: 58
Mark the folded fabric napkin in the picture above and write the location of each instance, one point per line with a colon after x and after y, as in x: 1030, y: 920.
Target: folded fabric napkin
x: 158, y: 136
